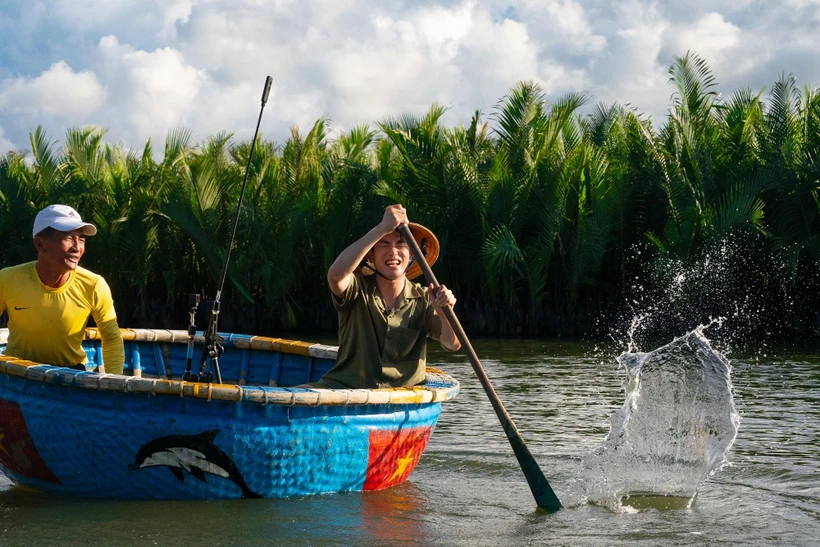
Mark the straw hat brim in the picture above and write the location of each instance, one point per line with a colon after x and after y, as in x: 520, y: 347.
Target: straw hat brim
x: 428, y: 243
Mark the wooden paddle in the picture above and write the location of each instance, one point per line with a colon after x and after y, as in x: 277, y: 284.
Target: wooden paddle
x: 541, y: 490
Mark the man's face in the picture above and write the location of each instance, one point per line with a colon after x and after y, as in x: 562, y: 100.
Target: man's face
x: 61, y: 250
x: 391, y: 256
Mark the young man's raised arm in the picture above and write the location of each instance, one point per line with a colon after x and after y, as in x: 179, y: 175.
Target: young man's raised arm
x: 338, y: 276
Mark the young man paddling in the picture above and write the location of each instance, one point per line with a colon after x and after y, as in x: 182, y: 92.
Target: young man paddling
x: 49, y: 300
x: 384, y: 318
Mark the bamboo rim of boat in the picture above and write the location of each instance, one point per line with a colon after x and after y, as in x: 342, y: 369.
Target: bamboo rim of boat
x: 439, y: 385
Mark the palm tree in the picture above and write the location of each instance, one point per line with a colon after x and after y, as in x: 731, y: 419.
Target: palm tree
x: 538, y: 202
x: 546, y: 218
x: 792, y: 147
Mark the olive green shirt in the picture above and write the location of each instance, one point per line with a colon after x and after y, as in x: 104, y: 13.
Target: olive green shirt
x: 378, y: 348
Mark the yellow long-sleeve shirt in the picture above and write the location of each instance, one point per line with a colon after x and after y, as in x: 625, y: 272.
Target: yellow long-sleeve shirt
x: 47, y: 325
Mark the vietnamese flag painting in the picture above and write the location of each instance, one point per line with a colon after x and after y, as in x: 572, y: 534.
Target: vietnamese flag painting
x: 394, y: 454
x: 17, y: 451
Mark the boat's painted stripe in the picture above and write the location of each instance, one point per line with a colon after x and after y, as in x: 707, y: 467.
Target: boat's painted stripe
x: 441, y: 387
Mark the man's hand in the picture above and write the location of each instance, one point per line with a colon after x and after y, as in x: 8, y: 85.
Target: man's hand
x: 341, y: 271
x: 393, y: 216
x: 442, y: 296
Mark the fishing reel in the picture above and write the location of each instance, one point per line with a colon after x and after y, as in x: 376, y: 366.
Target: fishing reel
x: 213, y: 348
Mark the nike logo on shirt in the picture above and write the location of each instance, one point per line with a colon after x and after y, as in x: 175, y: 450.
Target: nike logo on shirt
x: 19, y: 308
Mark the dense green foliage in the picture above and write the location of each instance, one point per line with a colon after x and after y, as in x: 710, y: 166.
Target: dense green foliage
x: 546, y: 217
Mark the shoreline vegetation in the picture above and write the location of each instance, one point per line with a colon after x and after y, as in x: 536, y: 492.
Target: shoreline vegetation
x: 551, y: 223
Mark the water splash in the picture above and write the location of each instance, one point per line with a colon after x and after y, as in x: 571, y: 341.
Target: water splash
x: 732, y: 277
x: 674, y: 430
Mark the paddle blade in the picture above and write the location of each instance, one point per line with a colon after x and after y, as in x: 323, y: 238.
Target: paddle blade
x: 544, y: 496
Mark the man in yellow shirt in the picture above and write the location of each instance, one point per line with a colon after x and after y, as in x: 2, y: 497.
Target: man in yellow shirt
x: 49, y: 300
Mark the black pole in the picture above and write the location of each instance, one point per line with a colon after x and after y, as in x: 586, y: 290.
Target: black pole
x: 213, y: 349
x: 265, y: 93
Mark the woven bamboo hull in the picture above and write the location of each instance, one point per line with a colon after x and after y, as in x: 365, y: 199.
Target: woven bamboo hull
x: 128, y: 437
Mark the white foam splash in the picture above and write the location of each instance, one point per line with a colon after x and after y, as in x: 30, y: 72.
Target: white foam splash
x: 674, y: 429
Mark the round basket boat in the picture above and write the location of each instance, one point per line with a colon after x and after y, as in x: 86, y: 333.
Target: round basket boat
x: 149, y: 435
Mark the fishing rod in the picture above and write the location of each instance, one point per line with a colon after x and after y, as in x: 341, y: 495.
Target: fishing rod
x: 213, y: 349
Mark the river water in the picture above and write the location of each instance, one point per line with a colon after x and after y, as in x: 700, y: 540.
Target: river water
x: 469, y: 490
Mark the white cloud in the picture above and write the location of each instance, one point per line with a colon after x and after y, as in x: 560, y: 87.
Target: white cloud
x: 562, y: 25
x: 59, y: 91
x: 802, y: 3
x: 78, y: 16
x: 711, y: 34
x: 460, y: 57
x: 558, y: 79
x: 152, y: 91
x: 5, y: 145
x: 630, y: 70
x: 141, y: 68
x: 177, y: 11
x: 441, y: 30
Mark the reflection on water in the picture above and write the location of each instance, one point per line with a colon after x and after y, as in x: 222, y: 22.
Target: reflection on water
x: 645, y: 502
x: 393, y: 515
x: 468, y: 489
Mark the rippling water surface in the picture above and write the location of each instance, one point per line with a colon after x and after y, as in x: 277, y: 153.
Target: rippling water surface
x: 469, y: 490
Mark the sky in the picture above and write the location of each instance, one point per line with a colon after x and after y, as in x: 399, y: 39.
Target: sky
x: 140, y: 68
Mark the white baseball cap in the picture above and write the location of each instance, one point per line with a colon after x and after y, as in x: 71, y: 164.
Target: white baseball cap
x: 62, y: 218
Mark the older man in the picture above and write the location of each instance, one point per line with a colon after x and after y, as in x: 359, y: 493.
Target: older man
x: 49, y: 300
x: 384, y: 318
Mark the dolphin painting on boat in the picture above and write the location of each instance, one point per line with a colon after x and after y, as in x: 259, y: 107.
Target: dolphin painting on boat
x: 196, y: 454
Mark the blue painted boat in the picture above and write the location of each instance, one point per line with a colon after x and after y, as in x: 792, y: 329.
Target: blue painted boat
x: 148, y: 435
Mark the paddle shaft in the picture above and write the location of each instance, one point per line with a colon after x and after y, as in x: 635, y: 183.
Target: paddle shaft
x: 541, y: 490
